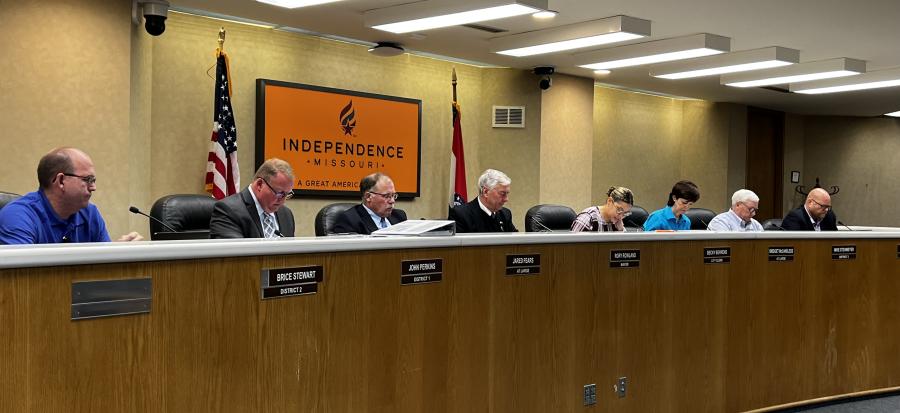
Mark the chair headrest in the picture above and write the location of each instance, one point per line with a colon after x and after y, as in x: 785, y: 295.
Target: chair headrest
x: 182, y: 212
x: 327, y: 215
x: 6, y: 197
x: 554, y: 217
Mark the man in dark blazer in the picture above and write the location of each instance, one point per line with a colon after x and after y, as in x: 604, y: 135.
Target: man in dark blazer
x: 258, y: 211
x: 486, y: 212
x: 814, y: 215
x: 376, y: 211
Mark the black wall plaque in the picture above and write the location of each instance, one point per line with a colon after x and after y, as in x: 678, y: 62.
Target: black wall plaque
x: 781, y: 253
x: 624, y: 258
x: 523, y: 264
x: 421, y: 271
x: 295, y: 275
x: 843, y: 252
x: 290, y: 290
x: 286, y: 282
x: 717, y: 255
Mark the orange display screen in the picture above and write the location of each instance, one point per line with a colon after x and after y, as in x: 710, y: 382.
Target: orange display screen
x: 333, y: 138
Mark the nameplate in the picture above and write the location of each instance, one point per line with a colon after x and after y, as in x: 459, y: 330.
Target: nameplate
x: 781, y: 254
x: 717, y: 255
x: 291, y: 281
x: 843, y: 252
x: 898, y: 250
x: 289, y: 290
x: 624, y: 258
x: 523, y: 264
x: 421, y: 271
x: 296, y: 275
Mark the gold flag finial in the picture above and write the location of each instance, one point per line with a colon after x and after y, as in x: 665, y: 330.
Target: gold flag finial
x: 221, y: 39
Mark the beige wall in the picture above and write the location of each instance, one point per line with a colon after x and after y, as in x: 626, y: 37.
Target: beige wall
x: 860, y: 156
x: 647, y: 143
x: 65, y: 81
x: 567, y: 134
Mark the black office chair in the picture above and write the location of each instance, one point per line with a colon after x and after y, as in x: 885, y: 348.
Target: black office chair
x: 637, y: 218
x: 548, y: 217
x: 700, y: 217
x: 327, y: 215
x: 772, y: 224
x: 188, y: 214
x: 7, y: 197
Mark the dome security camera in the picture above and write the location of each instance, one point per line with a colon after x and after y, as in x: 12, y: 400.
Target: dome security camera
x: 155, y: 13
x: 544, y: 72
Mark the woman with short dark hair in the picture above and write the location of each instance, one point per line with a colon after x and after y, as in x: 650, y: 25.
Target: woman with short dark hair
x: 671, y: 217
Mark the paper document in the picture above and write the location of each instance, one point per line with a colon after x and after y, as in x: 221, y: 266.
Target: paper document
x: 422, y: 227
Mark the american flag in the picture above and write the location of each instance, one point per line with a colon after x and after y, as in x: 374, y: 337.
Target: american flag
x: 223, y: 177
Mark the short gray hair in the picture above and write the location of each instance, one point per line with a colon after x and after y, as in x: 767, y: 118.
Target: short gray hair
x: 743, y: 195
x: 490, y: 179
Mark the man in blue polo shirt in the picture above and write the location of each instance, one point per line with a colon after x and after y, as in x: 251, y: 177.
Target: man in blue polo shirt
x: 60, y: 210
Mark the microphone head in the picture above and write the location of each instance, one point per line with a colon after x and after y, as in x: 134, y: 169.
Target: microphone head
x: 134, y: 210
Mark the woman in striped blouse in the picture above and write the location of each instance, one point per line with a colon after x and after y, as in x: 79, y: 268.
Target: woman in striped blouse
x: 609, y: 216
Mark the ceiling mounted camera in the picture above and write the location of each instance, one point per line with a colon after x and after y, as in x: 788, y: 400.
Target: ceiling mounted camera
x: 154, y: 12
x: 544, y: 72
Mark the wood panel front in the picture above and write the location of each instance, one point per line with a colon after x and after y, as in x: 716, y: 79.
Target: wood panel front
x: 689, y: 336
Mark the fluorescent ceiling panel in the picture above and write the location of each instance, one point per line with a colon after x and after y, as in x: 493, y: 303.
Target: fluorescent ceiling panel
x: 433, y: 14
x: 870, y: 80
x: 573, y: 36
x: 654, y: 52
x: 803, y: 72
x: 894, y: 114
x: 293, y: 4
x: 727, y: 63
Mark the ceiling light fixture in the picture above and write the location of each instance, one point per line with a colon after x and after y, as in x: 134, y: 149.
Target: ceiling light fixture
x: 893, y: 114
x: 870, y: 80
x: 546, y: 14
x: 733, y: 62
x: 573, y: 36
x: 656, y: 51
x: 293, y: 4
x: 433, y: 14
x: 803, y: 72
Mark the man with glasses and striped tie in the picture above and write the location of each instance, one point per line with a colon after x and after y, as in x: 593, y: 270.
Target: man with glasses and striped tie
x: 258, y: 211
x: 376, y: 211
x: 60, y: 210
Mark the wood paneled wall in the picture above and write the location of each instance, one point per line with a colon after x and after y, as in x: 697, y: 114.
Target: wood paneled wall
x: 690, y: 337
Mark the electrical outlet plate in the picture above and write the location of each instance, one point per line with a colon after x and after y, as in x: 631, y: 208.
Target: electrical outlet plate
x: 620, y: 387
x: 590, y: 394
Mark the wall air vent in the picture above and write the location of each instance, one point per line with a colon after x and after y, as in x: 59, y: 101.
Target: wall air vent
x: 509, y: 116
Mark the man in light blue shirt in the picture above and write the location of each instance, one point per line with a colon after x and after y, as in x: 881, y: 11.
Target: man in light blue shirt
x: 744, y: 205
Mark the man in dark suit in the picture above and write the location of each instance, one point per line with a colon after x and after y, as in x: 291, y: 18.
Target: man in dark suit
x: 258, y: 211
x: 814, y: 215
x: 486, y: 212
x: 377, y: 208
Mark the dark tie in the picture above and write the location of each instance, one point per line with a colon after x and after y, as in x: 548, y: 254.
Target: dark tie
x: 383, y: 223
x: 499, y: 221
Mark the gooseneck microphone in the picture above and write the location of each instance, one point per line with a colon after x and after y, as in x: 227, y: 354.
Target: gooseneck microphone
x: 278, y: 233
x: 845, y: 226
x: 538, y: 222
x: 134, y: 210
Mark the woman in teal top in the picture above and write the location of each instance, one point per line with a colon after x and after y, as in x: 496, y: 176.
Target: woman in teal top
x: 671, y: 217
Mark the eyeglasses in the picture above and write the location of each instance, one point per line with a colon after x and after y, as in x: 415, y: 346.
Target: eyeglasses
x: 388, y: 196
x: 279, y: 194
x: 622, y: 212
x: 751, y: 209
x: 825, y: 207
x: 90, y: 179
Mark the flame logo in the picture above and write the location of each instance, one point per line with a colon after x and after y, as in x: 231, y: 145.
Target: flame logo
x: 348, y: 119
